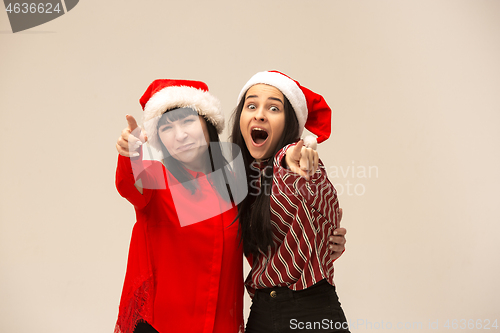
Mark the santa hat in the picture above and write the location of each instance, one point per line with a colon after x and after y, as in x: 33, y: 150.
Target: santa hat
x: 311, y: 109
x: 166, y: 94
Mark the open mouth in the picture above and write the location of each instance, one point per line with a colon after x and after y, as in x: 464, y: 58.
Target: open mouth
x: 259, y: 135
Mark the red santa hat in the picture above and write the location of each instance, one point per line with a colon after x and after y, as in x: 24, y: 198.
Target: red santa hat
x: 165, y: 94
x: 311, y: 109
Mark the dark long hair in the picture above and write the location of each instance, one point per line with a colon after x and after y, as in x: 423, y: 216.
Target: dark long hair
x: 254, y: 211
x: 217, y: 160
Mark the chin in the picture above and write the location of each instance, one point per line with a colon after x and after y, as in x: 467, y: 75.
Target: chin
x: 184, y: 158
x: 259, y: 155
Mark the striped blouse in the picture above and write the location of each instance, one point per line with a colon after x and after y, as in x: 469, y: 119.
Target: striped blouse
x: 303, y: 215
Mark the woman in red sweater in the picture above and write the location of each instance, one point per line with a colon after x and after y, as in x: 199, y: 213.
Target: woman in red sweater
x: 184, y: 271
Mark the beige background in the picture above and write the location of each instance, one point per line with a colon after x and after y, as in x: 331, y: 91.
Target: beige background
x: 414, y: 86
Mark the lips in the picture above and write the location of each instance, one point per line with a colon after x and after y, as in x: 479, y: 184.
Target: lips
x: 185, y: 147
x: 259, y: 136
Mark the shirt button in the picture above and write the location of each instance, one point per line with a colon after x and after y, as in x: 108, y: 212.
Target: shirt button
x: 273, y: 294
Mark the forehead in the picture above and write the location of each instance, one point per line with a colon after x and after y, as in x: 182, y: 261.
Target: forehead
x: 176, y: 114
x: 265, y: 91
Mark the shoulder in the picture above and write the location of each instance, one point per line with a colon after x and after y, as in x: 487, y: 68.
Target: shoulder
x: 278, y: 158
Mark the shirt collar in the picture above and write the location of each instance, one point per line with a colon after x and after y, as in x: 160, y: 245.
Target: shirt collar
x: 260, y: 164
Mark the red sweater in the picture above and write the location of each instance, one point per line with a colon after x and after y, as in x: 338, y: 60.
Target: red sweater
x: 181, y: 277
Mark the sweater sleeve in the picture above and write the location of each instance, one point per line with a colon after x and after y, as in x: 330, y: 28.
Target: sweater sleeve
x: 125, y: 180
x: 320, y: 198
x: 318, y: 192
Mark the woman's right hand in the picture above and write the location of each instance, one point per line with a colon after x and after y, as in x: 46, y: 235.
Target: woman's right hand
x: 302, y: 160
x: 131, y: 139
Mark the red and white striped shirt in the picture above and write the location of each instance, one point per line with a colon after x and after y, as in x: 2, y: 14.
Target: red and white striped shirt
x: 303, y: 215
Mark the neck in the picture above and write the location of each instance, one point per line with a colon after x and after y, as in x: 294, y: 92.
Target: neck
x: 201, y: 164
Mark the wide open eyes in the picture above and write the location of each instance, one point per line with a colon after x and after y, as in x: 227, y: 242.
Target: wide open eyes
x: 272, y: 108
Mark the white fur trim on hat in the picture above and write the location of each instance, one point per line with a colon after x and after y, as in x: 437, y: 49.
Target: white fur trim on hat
x: 173, y: 97
x: 310, y: 142
x: 287, y: 86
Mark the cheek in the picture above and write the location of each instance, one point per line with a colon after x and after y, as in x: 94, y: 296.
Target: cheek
x: 162, y: 138
x: 279, y: 125
x: 199, y: 132
x: 166, y: 139
x: 278, y: 130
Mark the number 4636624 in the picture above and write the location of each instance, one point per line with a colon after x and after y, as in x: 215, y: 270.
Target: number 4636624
x: 32, y: 8
x: 471, y: 324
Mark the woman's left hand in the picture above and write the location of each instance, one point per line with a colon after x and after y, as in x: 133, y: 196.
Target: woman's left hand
x: 336, y: 243
x: 302, y: 160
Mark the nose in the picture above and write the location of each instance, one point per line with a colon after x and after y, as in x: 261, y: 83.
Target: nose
x: 259, y: 114
x: 180, y: 134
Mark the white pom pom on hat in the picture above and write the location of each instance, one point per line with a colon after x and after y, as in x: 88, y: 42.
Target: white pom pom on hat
x: 310, y: 141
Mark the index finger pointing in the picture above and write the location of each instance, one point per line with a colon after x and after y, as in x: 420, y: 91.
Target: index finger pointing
x: 295, y: 150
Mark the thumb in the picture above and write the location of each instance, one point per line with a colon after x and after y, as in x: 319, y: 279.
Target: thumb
x: 143, y: 136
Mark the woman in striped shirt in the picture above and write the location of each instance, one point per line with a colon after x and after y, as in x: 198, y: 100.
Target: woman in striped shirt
x: 288, y: 216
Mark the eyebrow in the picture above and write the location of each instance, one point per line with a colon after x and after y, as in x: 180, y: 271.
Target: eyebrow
x: 273, y: 98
